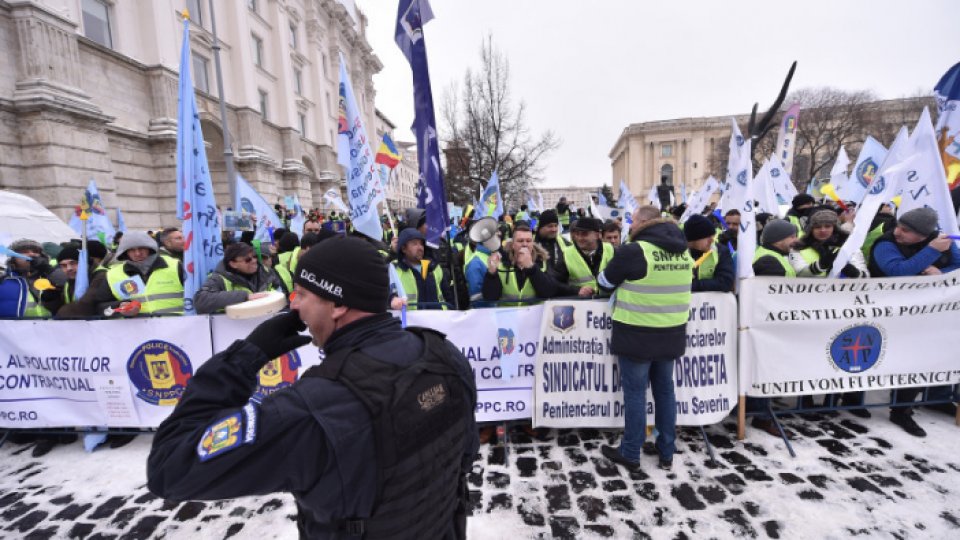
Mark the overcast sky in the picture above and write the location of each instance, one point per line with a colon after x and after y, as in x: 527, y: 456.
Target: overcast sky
x: 587, y: 70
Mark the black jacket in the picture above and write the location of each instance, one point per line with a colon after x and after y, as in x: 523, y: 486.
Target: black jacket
x: 629, y: 263
x: 213, y: 296
x: 313, y: 439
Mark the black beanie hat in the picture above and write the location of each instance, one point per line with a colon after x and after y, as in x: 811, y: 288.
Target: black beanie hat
x: 697, y: 227
x: 548, y: 217
x: 801, y: 199
x: 69, y: 253
x: 96, y: 249
x: 348, y: 271
x: 288, y: 242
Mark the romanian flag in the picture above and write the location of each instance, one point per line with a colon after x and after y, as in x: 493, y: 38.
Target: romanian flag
x: 387, y: 153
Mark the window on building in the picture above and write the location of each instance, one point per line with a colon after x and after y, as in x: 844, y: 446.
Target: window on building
x: 293, y: 36
x: 196, y: 13
x: 201, y: 78
x: 666, y: 150
x: 298, y: 81
x: 257, y: 43
x: 303, y: 124
x: 96, y: 22
x: 252, y: 4
x: 264, y: 98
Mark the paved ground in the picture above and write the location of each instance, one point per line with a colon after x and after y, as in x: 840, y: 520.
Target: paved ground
x: 852, y: 478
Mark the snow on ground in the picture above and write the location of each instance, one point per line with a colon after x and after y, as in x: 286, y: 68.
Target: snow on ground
x: 851, y: 478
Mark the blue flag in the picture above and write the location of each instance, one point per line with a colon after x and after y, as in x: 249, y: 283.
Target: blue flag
x: 601, y: 200
x: 411, y: 16
x: 299, y: 218
x: 491, y: 203
x: 121, y: 224
x: 353, y: 152
x: 196, y: 206
x: 83, y: 277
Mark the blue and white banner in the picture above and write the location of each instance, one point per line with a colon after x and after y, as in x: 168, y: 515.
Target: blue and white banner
x: 810, y: 336
x: 353, y: 152
x: 578, y: 379
x: 491, y: 203
x: 116, y: 373
x: 98, y: 222
x: 299, y: 218
x: 253, y: 203
x: 739, y: 194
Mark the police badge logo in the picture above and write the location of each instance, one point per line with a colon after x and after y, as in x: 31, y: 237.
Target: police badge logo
x: 878, y: 186
x: 278, y: 373
x: 129, y: 288
x: 866, y: 171
x: 562, y: 318
x: 159, y: 371
x: 857, y: 348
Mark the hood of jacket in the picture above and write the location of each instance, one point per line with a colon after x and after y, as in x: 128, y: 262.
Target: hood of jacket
x: 663, y: 233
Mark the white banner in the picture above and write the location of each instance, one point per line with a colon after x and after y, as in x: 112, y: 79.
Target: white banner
x: 501, y: 345
x: 578, y: 381
x: 118, y: 373
x: 808, y: 336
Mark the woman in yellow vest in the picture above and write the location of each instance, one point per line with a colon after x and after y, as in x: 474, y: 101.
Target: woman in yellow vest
x: 238, y: 277
x: 523, y: 276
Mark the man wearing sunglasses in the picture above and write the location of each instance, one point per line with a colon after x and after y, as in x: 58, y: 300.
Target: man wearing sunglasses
x: 238, y: 277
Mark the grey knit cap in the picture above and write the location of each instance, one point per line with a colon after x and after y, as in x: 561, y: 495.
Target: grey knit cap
x: 923, y: 221
x: 776, y: 230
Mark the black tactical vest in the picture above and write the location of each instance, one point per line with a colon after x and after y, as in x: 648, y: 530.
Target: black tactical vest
x: 420, y: 415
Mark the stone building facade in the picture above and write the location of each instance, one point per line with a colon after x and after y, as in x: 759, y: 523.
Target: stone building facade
x: 88, y: 90
x: 577, y: 196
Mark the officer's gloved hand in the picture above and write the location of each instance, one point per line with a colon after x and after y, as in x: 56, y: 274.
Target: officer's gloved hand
x: 279, y: 335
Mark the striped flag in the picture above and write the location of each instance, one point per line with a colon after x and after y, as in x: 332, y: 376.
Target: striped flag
x: 387, y: 154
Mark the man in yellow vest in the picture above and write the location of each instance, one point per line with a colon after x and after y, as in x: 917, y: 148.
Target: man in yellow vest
x: 549, y: 238
x: 142, y: 281
x: 423, y: 281
x: 563, y: 214
x: 712, y: 262
x: 523, y: 276
x: 651, y: 275
x: 584, y: 260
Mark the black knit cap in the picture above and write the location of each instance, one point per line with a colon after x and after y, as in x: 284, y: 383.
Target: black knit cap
x: 698, y: 227
x: 548, y: 217
x: 587, y: 224
x: 69, y: 253
x: 348, y: 271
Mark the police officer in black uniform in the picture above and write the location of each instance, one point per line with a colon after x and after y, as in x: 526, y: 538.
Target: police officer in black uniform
x: 375, y: 442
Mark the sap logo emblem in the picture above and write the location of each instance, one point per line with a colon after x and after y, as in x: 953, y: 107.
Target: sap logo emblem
x: 562, y: 318
x: 866, y: 171
x: 742, y: 178
x: 775, y: 172
x: 857, y: 348
x: 739, y: 140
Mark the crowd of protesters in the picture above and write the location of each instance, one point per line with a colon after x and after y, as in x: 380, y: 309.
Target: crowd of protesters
x: 559, y: 252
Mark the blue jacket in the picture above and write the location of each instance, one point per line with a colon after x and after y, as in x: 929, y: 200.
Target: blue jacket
x: 475, y: 272
x: 892, y: 261
x: 13, y: 296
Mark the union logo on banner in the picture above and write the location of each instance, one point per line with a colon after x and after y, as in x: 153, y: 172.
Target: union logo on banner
x: 857, y: 348
x: 506, y: 340
x: 159, y: 371
x: 277, y: 374
x: 865, y: 172
x: 562, y: 320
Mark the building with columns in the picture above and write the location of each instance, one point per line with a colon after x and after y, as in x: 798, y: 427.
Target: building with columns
x: 88, y: 90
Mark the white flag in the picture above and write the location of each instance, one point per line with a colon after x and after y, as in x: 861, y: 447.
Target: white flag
x: 652, y: 197
x: 782, y: 183
x: 763, y: 190
x: 333, y: 197
x: 629, y: 205
x: 838, y: 174
x: 353, y: 152
x: 871, y: 156
x: 740, y: 196
x: 252, y: 202
x: 894, y: 167
x: 700, y: 199
x: 925, y: 184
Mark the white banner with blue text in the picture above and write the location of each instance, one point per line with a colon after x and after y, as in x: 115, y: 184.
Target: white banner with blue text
x: 501, y: 346
x: 578, y: 380
x: 817, y: 336
x: 117, y: 373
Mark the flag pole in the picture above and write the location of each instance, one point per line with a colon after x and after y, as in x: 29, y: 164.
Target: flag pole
x: 227, y: 144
